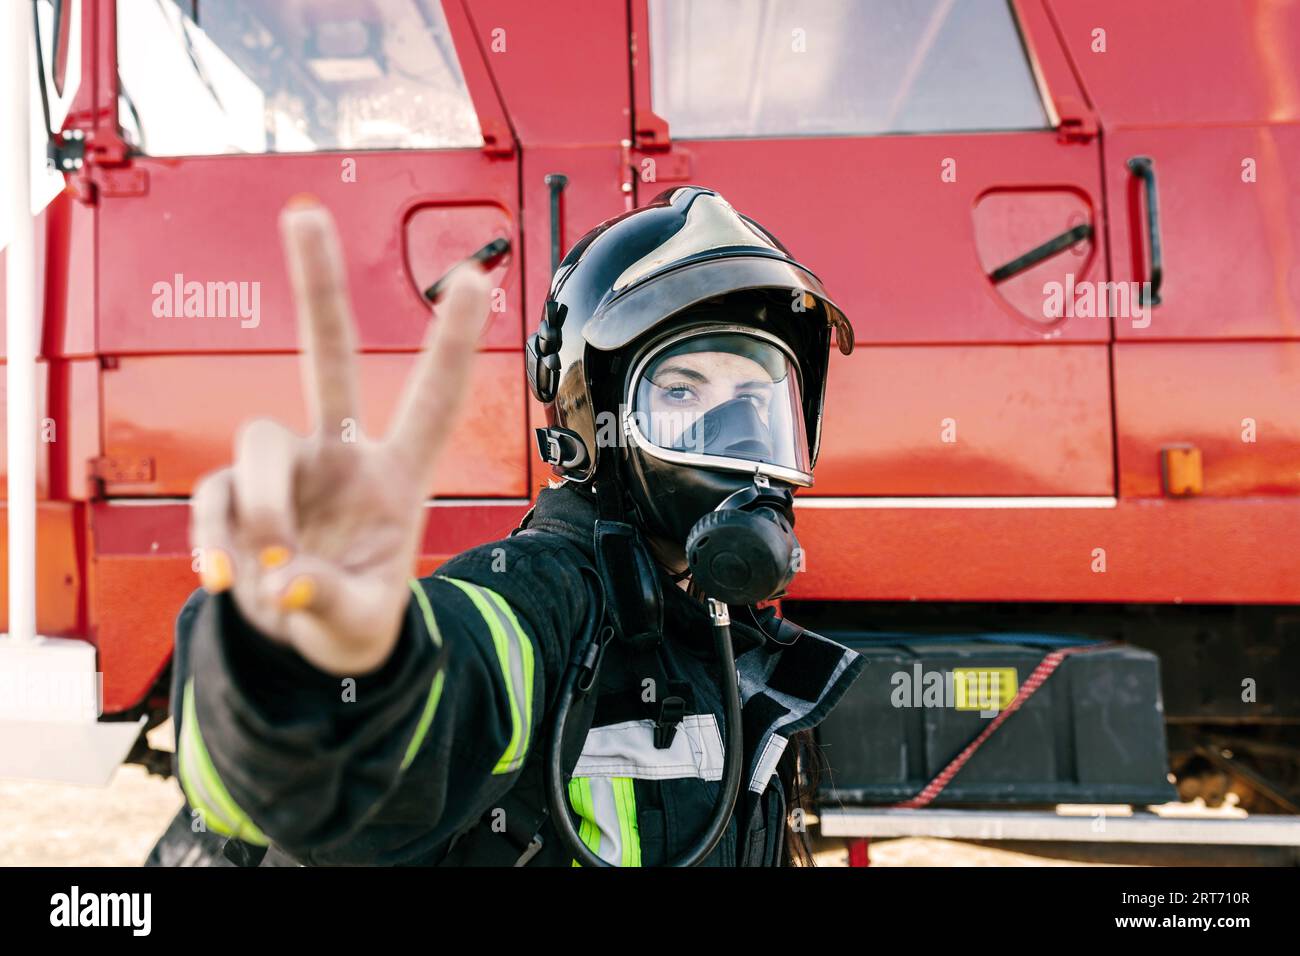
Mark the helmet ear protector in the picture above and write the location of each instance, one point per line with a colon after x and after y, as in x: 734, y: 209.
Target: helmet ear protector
x: 542, y: 351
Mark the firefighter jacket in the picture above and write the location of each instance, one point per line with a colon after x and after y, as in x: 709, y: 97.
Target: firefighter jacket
x: 436, y: 756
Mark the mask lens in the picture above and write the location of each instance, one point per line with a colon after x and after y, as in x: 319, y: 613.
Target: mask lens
x: 723, y: 396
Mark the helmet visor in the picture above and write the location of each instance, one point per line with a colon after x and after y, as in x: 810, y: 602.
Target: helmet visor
x: 722, y: 399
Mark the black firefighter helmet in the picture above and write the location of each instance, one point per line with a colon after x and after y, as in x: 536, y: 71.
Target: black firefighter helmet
x: 684, y: 342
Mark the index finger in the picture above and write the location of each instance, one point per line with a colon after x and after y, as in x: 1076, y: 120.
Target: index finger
x: 319, y: 280
x: 436, y: 390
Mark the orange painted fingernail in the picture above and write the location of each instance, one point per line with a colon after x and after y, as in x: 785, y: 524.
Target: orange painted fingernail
x: 298, y: 594
x: 273, y: 556
x: 301, y: 201
x: 215, y: 571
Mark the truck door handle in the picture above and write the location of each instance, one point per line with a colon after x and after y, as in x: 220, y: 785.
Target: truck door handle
x: 1144, y: 168
x: 555, y: 183
x: 1034, y: 256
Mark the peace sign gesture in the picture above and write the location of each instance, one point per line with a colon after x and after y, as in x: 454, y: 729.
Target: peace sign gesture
x: 316, y: 535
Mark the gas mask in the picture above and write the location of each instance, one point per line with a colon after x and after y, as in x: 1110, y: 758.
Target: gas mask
x: 716, y: 439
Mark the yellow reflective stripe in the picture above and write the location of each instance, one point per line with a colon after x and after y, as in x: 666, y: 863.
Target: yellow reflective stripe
x: 430, y: 621
x: 625, y: 801
x: 526, y: 653
x: 202, y: 785
x: 580, y: 799
x: 426, y: 718
x: 606, y: 809
x: 435, y: 687
x: 516, y: 668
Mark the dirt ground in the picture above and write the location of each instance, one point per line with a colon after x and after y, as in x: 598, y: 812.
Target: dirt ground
x: 46, y: 824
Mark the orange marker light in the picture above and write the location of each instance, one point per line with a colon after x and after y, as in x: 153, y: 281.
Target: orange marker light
x: 1180, y: 470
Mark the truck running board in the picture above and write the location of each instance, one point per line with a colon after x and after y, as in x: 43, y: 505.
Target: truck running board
x: 1037, y: 825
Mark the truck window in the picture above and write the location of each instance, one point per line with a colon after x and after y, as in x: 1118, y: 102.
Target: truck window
x: 739, y: 68
x: 295, y: 76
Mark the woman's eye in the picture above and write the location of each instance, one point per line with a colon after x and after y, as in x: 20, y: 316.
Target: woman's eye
x: 758, y: 400
x: 679, y: 393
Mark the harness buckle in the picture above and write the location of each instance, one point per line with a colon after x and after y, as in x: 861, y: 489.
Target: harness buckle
x: 534, y: 847
x: 671, y: 712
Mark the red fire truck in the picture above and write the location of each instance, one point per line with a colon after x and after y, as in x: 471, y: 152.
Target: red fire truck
x: 1067, y: 233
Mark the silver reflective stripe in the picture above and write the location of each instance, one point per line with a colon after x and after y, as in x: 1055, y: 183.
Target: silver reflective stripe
x: 605, y: 811
x: 765, y: 766
x: 628, y: 750
x: 520, y: 682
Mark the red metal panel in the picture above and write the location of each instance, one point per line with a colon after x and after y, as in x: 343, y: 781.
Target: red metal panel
x: 593, y: 195
x: 70, y: 278
x: 903, y: 230
x: 142, y: 574
x: 1053, y: 71
x: 77, y: 418
x: 1161, y: 551
x: 1170, y: 63
x: 1239, y: 403
x: 436, y: 238
x: 561, y: 67
x: 1010, y: 221
x: 1230, y: 245
x: 894, y: 243
x: 498, y: 138
x: 650, y: 130
x: 213, y: 219
x: 940, y: 420
x: 1229, y: 551
x: 161, y: 529
x: 182, y: 412
x: 134, y: 603
x: 58, y: 575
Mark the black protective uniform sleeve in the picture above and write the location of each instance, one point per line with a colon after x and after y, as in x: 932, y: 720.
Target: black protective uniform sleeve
x: 385, y: 768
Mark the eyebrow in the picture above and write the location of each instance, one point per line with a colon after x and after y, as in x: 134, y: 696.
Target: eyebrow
x: 681, y: 370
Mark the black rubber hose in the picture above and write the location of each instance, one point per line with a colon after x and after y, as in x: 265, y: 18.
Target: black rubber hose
x: 731, y: 764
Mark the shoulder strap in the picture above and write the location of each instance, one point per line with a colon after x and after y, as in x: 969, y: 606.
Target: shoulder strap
x: 510, y: 832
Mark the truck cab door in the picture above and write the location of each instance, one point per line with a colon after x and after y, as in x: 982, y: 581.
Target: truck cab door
x: 1202, y: 148
x: 933, y: 162
x: 383, y: 109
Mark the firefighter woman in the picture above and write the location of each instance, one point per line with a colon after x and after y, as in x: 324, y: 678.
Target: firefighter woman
x: 599, y: 688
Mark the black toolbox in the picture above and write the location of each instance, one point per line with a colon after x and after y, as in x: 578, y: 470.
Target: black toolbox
x: 1092, y: 733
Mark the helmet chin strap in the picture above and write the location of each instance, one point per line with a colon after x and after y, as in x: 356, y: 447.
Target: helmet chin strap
x: 663, y: 552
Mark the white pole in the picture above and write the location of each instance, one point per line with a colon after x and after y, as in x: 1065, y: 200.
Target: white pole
x: 20, y: 329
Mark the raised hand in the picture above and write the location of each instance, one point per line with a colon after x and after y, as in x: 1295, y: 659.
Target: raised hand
x: 317, y: 535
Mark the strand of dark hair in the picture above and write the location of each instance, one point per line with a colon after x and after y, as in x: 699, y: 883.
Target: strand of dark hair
x: 801, y: 793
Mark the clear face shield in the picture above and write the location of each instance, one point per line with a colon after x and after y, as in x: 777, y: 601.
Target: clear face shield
x: 722, y: 399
